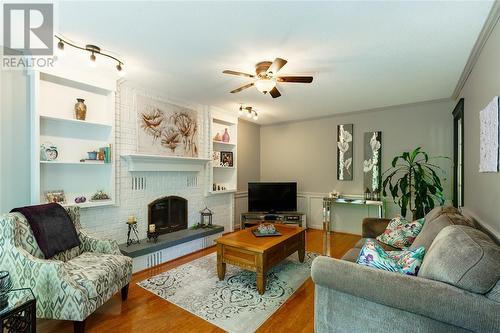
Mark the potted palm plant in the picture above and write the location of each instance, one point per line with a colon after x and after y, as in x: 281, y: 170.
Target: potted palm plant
x: 414, y: 183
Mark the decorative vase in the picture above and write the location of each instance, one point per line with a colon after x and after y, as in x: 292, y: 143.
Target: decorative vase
x: 217, y: 137
x: 225, y: 136
x: 80, y: 109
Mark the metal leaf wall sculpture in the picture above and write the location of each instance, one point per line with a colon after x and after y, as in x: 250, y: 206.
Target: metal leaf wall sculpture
x: 175, y: 126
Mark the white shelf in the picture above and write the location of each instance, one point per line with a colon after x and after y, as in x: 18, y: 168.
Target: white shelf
x: 143, y: 162
x: 76, y: 121
x: 75, y: 163
x: 225, y: 122
x: 222, y: 192
x: 52, y: 99
x: 223, y: 167
x: 230, y: 144
x: 89, y: 204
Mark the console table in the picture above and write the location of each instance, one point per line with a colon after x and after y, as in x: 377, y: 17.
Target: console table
x: 252, y: 218
x: 328, y: 204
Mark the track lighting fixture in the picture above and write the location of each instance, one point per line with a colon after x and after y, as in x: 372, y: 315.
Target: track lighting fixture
x: 251, y: 113
x: 92, y: 60
x: 93, y: 50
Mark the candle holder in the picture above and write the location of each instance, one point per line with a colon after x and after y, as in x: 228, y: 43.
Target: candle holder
x: 132, y: 234
x: 153, y: 236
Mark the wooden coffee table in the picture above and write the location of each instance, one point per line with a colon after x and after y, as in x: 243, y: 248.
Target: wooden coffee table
x: 259, y: 254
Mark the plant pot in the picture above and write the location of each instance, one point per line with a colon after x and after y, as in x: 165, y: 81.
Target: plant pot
x: 80, y: 109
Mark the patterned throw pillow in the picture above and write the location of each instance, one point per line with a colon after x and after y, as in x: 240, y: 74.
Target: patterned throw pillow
x: 400, y: 233
x: 404, y: 262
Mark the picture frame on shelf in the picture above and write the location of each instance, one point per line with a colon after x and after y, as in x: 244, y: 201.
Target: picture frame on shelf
x: 55, y: 196
x: 226, y: 158
x: 216, y: 158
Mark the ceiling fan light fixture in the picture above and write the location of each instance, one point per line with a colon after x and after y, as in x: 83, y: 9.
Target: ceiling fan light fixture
x: 265, y: 85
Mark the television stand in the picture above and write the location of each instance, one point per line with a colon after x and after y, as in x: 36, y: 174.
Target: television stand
x: 254, y: 218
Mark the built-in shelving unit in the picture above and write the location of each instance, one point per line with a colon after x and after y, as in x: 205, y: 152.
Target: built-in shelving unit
x: 220, y: 176
x: 53, y: 97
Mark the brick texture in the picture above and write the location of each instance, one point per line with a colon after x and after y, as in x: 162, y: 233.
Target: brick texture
x: 110, y: 222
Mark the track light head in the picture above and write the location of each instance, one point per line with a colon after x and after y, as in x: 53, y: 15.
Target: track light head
x: 60, y: 45
x: 92, y: 60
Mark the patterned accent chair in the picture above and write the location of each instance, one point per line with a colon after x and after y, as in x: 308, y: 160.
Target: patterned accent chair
x: 72, y: 284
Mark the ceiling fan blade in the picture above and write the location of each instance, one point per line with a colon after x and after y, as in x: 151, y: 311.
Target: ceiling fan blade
x: 277, y: 64
x: 295, y: 79
x: 275, y: 93
x: 241, y: 88
x: 237, y: 73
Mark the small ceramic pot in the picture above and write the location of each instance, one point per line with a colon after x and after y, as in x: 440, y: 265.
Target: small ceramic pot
x: 92, y: 155
x: 80, y: 109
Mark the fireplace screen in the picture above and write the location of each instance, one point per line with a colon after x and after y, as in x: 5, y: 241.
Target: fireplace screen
x: 169, y: 214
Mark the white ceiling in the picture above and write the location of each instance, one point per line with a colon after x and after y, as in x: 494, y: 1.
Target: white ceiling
x: 362, y: 55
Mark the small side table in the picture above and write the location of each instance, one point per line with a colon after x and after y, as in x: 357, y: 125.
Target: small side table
x: 18, y: 312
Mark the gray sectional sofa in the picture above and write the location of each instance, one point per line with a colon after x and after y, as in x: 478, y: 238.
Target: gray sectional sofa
x: 457, y: 288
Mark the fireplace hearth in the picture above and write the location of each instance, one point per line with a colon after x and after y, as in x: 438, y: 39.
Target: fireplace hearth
x: 168, y: 214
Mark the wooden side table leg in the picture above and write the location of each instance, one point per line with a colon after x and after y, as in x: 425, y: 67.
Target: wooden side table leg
x: 221, y: 265
x: 261, y: 275
x: 302, y: 247
x: 261, y: 283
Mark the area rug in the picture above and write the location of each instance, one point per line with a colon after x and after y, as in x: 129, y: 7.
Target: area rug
x: 234, y: 303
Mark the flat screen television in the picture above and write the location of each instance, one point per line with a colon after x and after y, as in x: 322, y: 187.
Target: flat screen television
x: 272, y: 197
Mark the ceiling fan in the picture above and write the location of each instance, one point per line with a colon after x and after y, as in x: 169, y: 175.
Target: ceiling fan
x: 266, y: 78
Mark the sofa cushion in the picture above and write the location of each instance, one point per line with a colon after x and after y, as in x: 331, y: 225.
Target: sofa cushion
x: 97, y: 272
x: 404, y: 262
x: 463, y: 257
x: 494, y: 294
x: 359, y: 244
x: 440, y: 210
x: 433, y: 226
x: 400, y: 233
x: 351, y: 255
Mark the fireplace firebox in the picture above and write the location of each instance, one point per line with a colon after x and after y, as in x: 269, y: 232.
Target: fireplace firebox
x: 169, y: 214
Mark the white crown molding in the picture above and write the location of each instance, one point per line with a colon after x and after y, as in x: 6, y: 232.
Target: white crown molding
x: 485, y: 33
x: 357, y: 112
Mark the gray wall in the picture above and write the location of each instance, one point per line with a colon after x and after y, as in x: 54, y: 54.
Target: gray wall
x: 248, y: 153
x: 14, y: 141
x: 306, y: 151
x: 482, y: 190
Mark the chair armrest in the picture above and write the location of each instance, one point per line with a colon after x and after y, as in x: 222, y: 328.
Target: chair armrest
x: 90, y: 244
x: 373, y: 227
x: 425, y: 297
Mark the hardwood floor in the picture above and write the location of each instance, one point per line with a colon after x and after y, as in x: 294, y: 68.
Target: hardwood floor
x: 144, y: 312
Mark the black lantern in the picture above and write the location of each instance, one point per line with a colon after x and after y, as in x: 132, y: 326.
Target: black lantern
x: 206, y: 217
x: 368, y: 194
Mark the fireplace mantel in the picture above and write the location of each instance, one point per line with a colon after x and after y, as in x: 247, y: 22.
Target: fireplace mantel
x: 143, y: 162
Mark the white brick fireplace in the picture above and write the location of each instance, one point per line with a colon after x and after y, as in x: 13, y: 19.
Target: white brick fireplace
x: 134, y: 190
